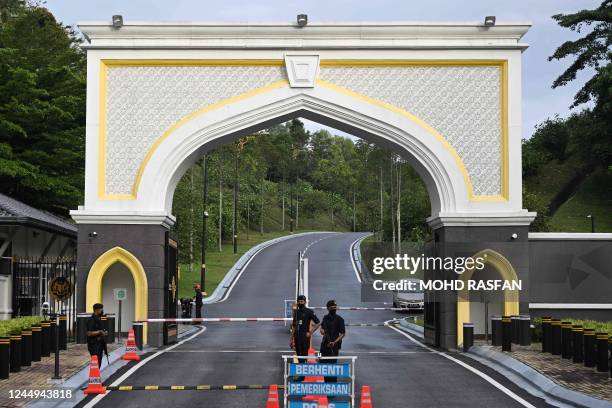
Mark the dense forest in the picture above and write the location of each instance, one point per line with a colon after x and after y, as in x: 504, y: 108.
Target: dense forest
x: 286, y: 177
x: 352, y: 185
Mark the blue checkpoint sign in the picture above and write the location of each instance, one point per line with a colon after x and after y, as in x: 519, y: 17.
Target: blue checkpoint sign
x: 321, y: 369
x: 288, y: 308
x: 319, y: 388
x: 314, y: 404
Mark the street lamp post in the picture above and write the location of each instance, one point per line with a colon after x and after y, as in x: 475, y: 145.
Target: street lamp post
x: 204, y: 223
x: 592, y: 218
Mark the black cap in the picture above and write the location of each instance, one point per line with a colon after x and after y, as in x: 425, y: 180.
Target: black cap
x: 331, y: 303
x: 301, y: 297
x: 98, y: 306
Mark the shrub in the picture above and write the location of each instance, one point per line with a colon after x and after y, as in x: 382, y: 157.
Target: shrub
x: 15, y: 326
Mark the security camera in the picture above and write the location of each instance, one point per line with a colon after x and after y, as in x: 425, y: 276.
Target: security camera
x: 93, y: 234
x: 46, y: 306
x: 514, y: 236
x: 117, y: 21
x: 489, y: 21
x: 302, y: 20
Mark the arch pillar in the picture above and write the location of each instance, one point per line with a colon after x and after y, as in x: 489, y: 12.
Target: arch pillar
x: 453, y: 237
x: 141, y: 248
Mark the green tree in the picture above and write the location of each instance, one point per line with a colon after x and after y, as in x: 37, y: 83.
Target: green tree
x: 42, y: 108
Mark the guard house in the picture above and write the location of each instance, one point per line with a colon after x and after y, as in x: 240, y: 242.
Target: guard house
x: 34, y: 246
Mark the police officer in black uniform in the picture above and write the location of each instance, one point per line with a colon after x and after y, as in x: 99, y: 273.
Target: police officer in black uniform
x: 198, y: 300
x: 300, y: 327
x: 95, y: 333
x: 332, y: 330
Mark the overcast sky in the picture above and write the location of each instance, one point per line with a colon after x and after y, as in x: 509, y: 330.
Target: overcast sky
x: 539, y: 100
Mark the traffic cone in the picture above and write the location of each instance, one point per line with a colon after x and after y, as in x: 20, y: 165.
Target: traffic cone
x: 366, y: 399
x: 130, y: 349
x: 323, y: 402
x: 95, y: 382
x: 273, y: 397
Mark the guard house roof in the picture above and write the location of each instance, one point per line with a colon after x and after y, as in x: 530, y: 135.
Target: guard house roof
x: 14, y: 212
x: 315, y: 35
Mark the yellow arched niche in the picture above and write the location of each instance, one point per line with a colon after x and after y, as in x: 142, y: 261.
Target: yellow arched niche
x: 99, y: 268
x: 511, y: 296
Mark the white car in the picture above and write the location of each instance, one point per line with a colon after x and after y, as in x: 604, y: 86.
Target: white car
x: 409, y: 300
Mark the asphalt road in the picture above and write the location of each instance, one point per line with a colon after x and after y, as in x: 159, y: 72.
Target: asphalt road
x: 400, y: 372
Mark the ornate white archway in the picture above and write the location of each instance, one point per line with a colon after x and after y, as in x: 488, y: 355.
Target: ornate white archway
x: 447, y: 97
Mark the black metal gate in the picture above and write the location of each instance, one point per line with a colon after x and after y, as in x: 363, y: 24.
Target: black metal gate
x: 171, y: 287
x: 31, y: 277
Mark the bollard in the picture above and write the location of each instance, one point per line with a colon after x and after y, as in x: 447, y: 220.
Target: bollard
x: 525, y: 330
x: 5, y: 357
x: 104, y: 320
x: 63, y: 332
x: 36, y: 342
x: 45, y: 350
x: 496, y: 331
x: 589, y: 347
x: 111, y: 328
x: 506, y: 333
x: 515, y: 329
x: 577, y: 344
x: 602, y: 352
x: 546, y: 335
x: 610, y: 347
x: 81, y: 332
x: 468, y: 336
x: 26, y: 348
x: 137, y: 326
x: 15, y: 347
x: 555, y: 328
x: 566, y: 340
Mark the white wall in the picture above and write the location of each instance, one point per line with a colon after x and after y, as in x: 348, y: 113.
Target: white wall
x: 5, y: 297
x: 118, y: 276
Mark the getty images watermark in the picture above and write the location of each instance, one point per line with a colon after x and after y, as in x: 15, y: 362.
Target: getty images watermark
x: 469, y: 270
x: 411, y: 265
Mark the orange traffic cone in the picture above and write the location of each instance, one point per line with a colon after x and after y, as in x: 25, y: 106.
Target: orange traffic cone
x: 95, y: 382
x: 323, y: 402
x: 366, y: 399
x: 273, y: 397
x: 130, y: 349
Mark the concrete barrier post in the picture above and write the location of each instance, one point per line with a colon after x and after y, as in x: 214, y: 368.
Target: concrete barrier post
x: 566, y: 340
x: 555, y: 327
x: 137, y: 326
x: 468, y: 336
x: 602, y: 352
x: 506, y: 333
x: 81, y: 331
x: 589, y: 348
x: 516, y: 326
x: 525, y: 331
x: 577, y: 344
x: 496, y: 331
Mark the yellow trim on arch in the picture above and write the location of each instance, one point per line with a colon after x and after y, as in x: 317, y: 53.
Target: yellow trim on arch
x: 511, y: 297
x: 502, y: 64
x: 503, y: 77
x: 93, y: 288
x: 104, y: 66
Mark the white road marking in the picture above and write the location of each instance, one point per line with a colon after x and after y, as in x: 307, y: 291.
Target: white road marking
x: 357, y: 274
x: 348, y: 352
x: 468, y: 367
x: 132, y: 370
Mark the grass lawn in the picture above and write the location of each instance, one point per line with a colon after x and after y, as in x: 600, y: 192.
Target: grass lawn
x: 218, y: 263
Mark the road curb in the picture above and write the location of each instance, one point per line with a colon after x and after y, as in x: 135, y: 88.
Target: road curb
x: 412, y: 328
x: 230, y: 276
x: 548, y: 389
